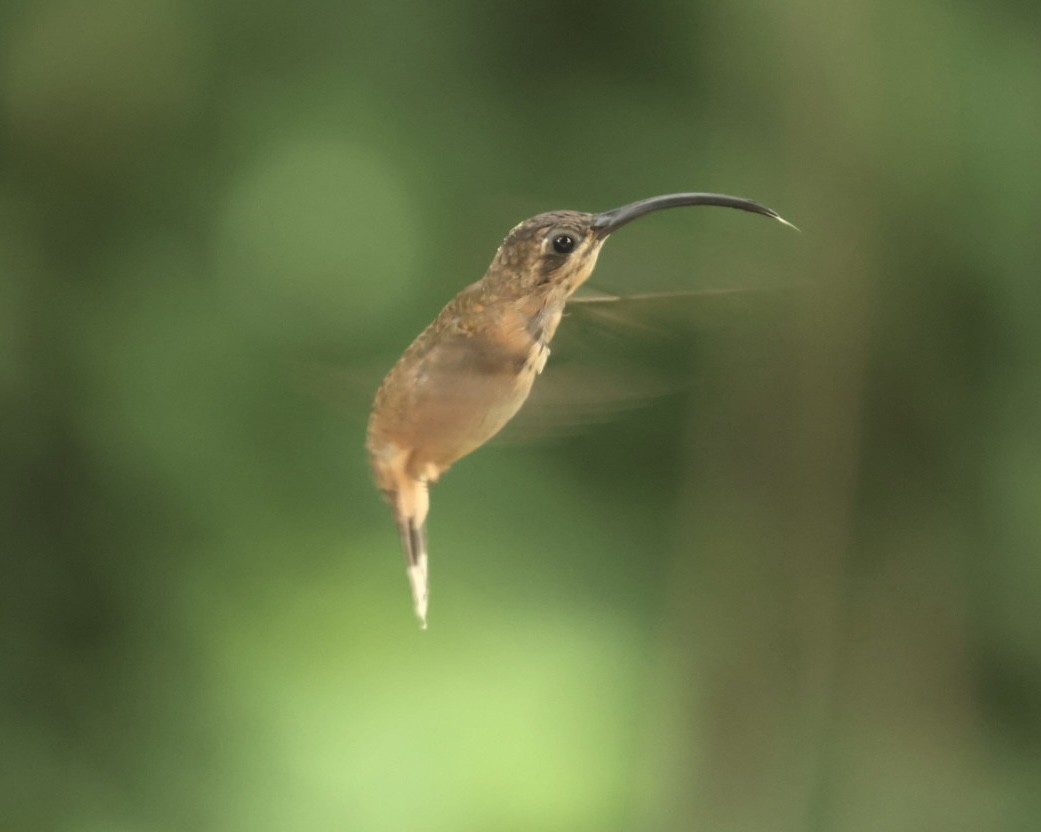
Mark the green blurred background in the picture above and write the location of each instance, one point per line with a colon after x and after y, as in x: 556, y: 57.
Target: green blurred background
x: 802, y: 591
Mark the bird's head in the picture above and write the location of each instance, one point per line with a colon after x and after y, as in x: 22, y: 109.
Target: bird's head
x: 559, y: 249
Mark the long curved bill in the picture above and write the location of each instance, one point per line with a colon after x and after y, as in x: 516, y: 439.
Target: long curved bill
x: 609, y: 221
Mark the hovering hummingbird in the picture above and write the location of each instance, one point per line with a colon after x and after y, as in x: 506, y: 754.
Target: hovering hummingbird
x: 466, y: 375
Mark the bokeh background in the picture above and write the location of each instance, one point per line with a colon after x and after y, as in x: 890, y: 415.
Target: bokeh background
x: 778, y: 566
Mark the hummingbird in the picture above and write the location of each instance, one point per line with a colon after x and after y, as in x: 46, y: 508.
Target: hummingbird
x: 469, y: 372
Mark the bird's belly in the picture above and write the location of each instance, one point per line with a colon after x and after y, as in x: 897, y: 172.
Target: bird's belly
x: 465, y: 414
x: 452, y: 401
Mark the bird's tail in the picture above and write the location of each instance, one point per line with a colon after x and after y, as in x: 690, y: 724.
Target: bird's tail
x: 414, y: 542
x: 410, y: 511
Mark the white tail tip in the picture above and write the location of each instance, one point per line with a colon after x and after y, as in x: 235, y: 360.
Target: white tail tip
x: 417, y: 578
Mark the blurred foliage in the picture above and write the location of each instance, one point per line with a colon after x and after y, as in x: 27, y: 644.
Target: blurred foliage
x: 799, y: 589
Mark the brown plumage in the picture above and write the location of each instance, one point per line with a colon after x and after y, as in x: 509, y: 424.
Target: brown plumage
x: 465, y: 376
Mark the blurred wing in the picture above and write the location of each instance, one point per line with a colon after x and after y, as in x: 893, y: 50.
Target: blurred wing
x: 616, y: 353
x: 659, y: 312
x: 349, y: 389
x: 613, y: 354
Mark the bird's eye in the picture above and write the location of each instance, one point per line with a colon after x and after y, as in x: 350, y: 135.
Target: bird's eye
x: 563, y: 244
